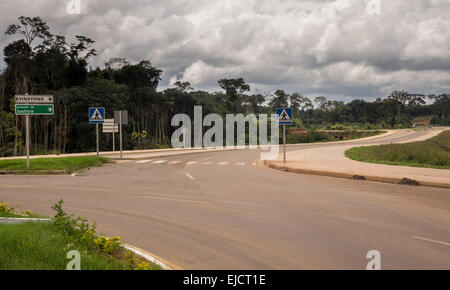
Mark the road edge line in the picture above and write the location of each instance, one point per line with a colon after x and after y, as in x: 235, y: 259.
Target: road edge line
x: 152, y: 258
x: 384, y: 179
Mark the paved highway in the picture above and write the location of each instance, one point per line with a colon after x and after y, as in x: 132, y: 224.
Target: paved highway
x: 218, y: 210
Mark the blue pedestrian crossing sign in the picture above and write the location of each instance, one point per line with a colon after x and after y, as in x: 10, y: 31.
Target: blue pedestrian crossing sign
x: 96, y: 115
x: 284, y: 116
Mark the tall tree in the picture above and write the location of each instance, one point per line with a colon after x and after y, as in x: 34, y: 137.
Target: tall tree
x: 234, y: 89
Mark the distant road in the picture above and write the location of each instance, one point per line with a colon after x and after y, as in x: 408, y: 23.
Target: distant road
x: 216, y: 210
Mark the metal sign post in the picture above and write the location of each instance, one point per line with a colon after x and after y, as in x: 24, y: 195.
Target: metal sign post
x: 98, y: 149
x: 27, y: 105
x: 120, y: 124
x: 27, y: 139
x: 97, y: 116
x: 284, y: 143
x: 110, y: 127
x: 121, y: 118
x: 284, y: 117
x: 114, y: 142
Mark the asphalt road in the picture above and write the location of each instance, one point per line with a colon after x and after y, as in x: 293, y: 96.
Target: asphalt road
x: 217, y: 210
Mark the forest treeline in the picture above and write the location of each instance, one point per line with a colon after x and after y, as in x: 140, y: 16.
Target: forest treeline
x: 39, y: 62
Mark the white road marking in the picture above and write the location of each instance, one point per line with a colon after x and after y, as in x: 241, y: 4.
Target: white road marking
x: 433, y: 241
x: 192, y: 162
x: 240, y: 163
x: 174, y: 162
x: 223, y: 163
x: 147, y: 257
x: 143, y: 161
x: 206, y: 163
x: 189, y: 176
x: 160, y: 161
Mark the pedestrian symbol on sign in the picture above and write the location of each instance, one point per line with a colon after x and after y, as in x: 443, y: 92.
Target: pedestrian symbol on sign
x: 284, y: 116
x: 96, y: 115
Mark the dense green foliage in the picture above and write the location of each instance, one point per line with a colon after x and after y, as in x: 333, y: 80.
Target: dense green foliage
x: 70, y: 164
x: 434, y: 153
x: 43, y: 63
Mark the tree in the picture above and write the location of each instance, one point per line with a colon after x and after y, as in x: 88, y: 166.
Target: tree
x: 321, y: 102
x: 183, y: 86
x: 279, y: 100
x: 399, y: 98
x: 140, y: 75
x: 116, y: 63
x: 30, y: 28
x: 234, y: 88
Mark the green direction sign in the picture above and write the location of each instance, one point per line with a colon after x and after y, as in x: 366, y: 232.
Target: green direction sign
x: 46, y: 109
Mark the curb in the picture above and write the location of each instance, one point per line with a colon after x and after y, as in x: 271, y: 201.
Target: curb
x: 33, y: 172
x: 394, y: 180
x: 152, y: 258
x: 21, y: 220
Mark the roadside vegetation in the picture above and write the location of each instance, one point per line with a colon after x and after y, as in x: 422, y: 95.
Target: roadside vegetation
x: 432, y: 153
x: 39, y: 61
x: 45, y: 245
x: 69, y: 164
x: 328, y: 136
x: 7, y: 211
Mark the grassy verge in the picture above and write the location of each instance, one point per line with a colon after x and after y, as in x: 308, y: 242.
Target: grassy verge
x: 45, y: 245
x: 70, y: 164
x: 329, y: 136
x: 432, y: 153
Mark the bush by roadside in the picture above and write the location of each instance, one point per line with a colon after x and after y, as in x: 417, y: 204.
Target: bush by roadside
x: 44, y: 246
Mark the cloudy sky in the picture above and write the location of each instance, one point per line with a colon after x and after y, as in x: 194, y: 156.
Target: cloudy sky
x: 342, y: 49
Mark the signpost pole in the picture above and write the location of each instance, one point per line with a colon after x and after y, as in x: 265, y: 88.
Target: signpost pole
x: 114, y: 138
x: 96, y: 128
x: 27, y: 139
x: 284, y: 143
x: 120, y: 124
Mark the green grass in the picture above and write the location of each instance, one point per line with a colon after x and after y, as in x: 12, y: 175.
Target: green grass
x: 45, y: 245
x: 41, y: 246
x: 70, y: 164
x: 432, y: 153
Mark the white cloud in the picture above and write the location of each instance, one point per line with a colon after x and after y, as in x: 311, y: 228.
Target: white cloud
x: 315, y: 47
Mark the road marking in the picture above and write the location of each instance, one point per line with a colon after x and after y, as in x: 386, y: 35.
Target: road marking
x: 433, y: 241
x: 240, y: 163
x: 143, y: 161
x: 174, y: 162
x: 223, y: 163
x: 189, y: 176
x: 160, y: 161
x: 192, y: 162
x: 206, y: 163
